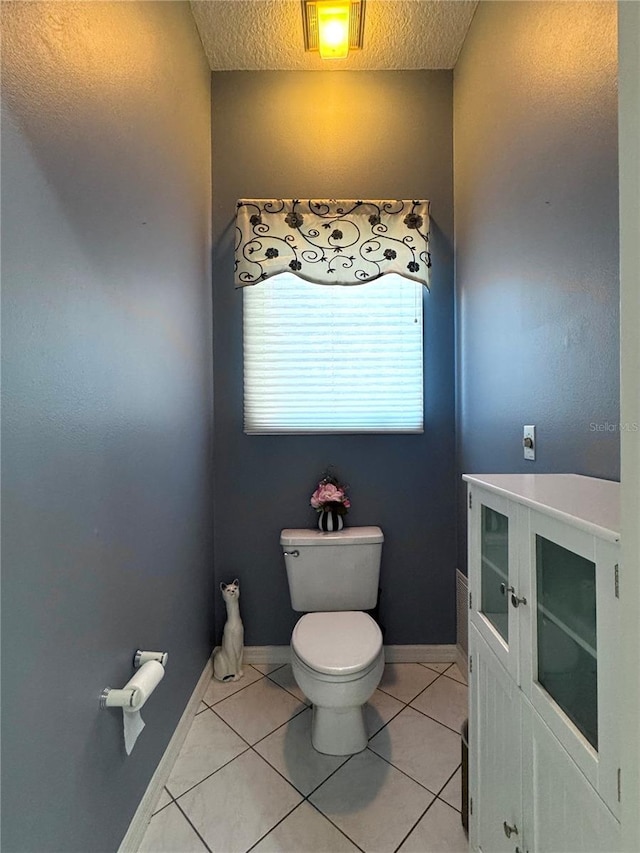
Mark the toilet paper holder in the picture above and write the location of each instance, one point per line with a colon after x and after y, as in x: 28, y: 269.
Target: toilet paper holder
x: 140, y: 658
x: 129, y: 697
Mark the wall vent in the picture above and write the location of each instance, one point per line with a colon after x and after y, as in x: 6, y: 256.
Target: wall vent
x: 462, y: 612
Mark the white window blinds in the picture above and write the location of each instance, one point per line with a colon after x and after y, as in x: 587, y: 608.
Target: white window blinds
x: 333, y: 359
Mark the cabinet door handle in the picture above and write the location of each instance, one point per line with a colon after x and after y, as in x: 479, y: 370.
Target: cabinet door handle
x: 504, y: 589
x: 517, y: 601
x: 510, y: 830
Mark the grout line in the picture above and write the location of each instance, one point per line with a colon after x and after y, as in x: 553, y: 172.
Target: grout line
x: 404, y: 702
x: 235, y: 692
x: 456, y: 681
x: 420, y: 692
x: 264, y: 737
x: 186, y: 817
x: 313, y: 806
x: 453, y: 808
x: 447, y: 782
x: 429, y: 717
x: 213, y: 773
x: 386, y: 693
x: 404, y: 772
x: 384, y: 725
x: 415, y: 824
x: 333, y: 772
x: 280, y: 773
x: 157, y: 811
x: 265, y: 674
x: 232, y: 729
x: 430, y: 667
x: 430, y: 684
x: 288, y: 781
x: 273, y: 681
x: 275, y: 824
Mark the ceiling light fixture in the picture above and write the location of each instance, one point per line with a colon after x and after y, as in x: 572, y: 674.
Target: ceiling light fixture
x: 333, y: 27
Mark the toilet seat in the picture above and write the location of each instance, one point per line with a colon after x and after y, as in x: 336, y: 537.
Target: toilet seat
x: 333, y: 678
x: 337, y: 643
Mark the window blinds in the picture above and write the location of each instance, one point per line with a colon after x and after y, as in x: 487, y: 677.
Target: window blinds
x: 333, y: 359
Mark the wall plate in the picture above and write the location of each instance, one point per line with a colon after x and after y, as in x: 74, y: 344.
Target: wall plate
x: 529, y: 442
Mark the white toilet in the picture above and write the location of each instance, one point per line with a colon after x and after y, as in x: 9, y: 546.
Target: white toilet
x: 336, y: 649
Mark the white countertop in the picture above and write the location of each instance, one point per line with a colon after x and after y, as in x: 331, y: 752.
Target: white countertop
x: 585, y: 502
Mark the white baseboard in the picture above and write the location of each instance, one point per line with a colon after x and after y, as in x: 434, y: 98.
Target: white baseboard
x: 420, y: 654
x: 392, y: 654
x: 138, y: 826
x: 266, y: 654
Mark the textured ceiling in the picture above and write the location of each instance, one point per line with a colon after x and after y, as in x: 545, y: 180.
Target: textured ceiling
x: 266, y: 35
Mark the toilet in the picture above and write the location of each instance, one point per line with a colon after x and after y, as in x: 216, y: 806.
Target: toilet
x: 336, y: 649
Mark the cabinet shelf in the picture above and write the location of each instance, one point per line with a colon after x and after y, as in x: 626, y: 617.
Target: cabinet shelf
x: 590, y: 650
x: 495, y: 569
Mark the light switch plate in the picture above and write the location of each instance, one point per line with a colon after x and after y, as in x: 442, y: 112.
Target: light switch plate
x: 529, y: 446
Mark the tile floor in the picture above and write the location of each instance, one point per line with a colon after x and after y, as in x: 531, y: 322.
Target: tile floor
x: 247, y: 777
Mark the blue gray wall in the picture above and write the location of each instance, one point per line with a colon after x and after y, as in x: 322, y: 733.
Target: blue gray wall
x: 336, y: 135
x: 536, y: 207
x: 106, y: 446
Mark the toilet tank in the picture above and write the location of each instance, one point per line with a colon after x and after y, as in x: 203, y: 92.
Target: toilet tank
x: 333, y: 571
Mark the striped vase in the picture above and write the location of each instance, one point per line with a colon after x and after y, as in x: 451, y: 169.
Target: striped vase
x: 329, y: 521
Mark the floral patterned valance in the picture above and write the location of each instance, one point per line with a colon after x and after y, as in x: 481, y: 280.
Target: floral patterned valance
x: 331, y: 242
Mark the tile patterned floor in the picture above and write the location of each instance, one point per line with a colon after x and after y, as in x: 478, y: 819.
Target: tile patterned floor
x: 247, y: 777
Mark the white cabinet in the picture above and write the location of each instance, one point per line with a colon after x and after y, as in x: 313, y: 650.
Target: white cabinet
x: 527, y: 793
x: 543, y: 581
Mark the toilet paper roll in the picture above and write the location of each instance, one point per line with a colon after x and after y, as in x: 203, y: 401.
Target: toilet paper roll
x: 143, y: 683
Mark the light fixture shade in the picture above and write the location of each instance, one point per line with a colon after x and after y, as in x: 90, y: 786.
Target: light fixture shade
x: 333, y: 27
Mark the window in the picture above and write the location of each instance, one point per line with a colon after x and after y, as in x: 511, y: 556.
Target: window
x: 322, y: 358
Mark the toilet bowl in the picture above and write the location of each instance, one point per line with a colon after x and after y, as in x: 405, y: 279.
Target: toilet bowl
x: 337, y: 661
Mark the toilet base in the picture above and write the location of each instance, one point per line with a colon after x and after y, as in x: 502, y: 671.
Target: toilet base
x: 338, y: 731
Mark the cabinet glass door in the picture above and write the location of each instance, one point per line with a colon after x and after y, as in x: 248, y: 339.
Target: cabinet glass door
x: 494, y: 571
x: 493, y: 562
x: 567, y: 666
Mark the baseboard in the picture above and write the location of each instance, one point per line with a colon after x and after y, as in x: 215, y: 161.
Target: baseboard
x: 392, y: 654
x: 420, y: 654
x: 138, y: 826
x: 266, y: 654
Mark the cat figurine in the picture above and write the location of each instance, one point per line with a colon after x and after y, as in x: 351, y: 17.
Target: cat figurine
x: 227, y: 661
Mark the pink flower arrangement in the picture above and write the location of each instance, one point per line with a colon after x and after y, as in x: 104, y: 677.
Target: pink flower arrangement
x: 330, y: 495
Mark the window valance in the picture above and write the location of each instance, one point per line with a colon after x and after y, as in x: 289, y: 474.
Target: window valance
x: 326, y: 241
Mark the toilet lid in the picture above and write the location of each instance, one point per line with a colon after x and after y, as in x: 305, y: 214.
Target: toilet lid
x: 340, y: 642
